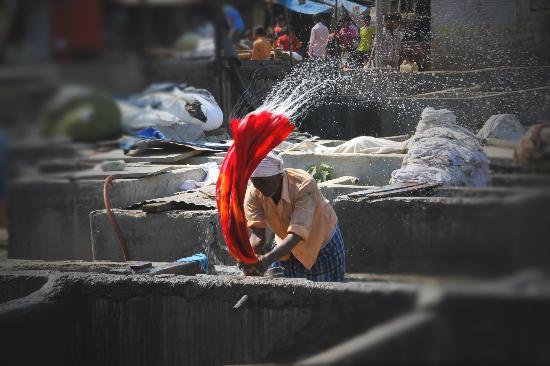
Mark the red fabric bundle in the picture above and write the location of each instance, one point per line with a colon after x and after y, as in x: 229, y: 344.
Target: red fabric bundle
x: 254, y: 137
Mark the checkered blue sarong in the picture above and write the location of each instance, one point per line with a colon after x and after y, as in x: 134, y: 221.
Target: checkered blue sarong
x: 329, y: 267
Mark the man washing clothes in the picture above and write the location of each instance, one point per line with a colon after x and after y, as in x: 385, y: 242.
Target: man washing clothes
x: 308, y: 240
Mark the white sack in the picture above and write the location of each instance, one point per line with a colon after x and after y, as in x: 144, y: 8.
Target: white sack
x: 442, y: 152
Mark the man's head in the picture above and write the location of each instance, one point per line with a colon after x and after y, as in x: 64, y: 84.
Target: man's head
x: 367, y: 19
x: 388, y: 22
x: 268, y: 176
x: 259, y: 32
x: 268, y: 186
x: 317, y: 18
x: 396, y: 20
x: 392, y: 21
x: 408, y: 56
x: 281, y: 20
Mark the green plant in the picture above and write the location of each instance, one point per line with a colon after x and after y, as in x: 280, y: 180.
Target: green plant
x: 320, y: 173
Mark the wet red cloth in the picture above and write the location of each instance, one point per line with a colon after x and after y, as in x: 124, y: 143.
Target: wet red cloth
x: 254, y: 137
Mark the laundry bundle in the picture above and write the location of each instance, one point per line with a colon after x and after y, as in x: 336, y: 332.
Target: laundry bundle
x: 502, y: 127
x: 254, y: 137
x: 443, y: 152
x: 175, y: 112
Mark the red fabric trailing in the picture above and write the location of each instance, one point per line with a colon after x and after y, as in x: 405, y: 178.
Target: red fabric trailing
x: 254, y: 137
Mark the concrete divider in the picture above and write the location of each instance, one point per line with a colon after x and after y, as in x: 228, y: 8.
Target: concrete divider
x: 164, y: 236
x: 170, y: 235
x: 446, y: 235
x: 371, y: 169
x: 49, y: 219
x: 100, y: 319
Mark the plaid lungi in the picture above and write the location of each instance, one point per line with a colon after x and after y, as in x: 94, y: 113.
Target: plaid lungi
x: 329, y: 267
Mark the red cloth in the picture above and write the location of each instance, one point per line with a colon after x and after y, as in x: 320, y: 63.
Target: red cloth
x: 254, y: 137
x: 283, y: 42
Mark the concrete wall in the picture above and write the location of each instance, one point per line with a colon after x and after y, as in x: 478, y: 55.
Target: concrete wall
x: 472, y: 34
x: 164, y: 236
x: 376, y: 84
x: 445, y: 235
x: 387, y: 103
x: 371, y: 169
x: 170, y: 235
x: 142, y: 320
x: 401, y: 115
x: 48, y: 219
x: 99, y: 319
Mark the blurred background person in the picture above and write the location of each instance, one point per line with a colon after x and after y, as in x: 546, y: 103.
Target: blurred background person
x: 234, y: 22
x: 284, y: 41
x: 408, y: 64
x: 261, y: 49
x: 390, y: 42
x: 318, y: 40
x: 280, y: 24
x: 348, y: 39
x: 366, y: 39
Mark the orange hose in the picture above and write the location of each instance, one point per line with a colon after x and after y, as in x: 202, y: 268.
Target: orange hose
x: 112, y: 219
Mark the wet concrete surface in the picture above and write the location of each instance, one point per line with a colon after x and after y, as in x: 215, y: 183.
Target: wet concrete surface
x: 118, y: 319
x: 97, y: 318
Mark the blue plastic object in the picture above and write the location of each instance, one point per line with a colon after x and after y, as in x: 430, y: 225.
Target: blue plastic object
x: 199, y: 257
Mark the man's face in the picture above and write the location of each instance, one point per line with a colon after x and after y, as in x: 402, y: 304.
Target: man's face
x: 268, y: 186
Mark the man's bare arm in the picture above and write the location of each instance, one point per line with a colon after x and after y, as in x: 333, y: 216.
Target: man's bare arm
x: 279, y: 251
x: 257, y: 238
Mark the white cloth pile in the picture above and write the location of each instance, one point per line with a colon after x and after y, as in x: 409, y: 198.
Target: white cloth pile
x: 442, y: 152
x: 368, y: 145
x: 179, y: 113
x: 503, y: 127
x: 357, y: 145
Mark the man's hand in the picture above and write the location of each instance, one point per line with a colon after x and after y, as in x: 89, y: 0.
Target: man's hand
x: 255, y: 269
x: 264, y: 261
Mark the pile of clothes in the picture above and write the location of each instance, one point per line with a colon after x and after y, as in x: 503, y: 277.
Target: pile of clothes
x: 175, y: 113
x: 170, y: 112
x: 443, y: 152
x: 368, y: 145
x: 502, y: 127
x: 357, y: 145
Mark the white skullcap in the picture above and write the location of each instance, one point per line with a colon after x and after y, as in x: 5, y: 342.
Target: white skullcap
x: 270, y: 166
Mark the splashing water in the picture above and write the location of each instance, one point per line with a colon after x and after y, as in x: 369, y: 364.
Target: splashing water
x: 305, y: 87
x: 311, y: 85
